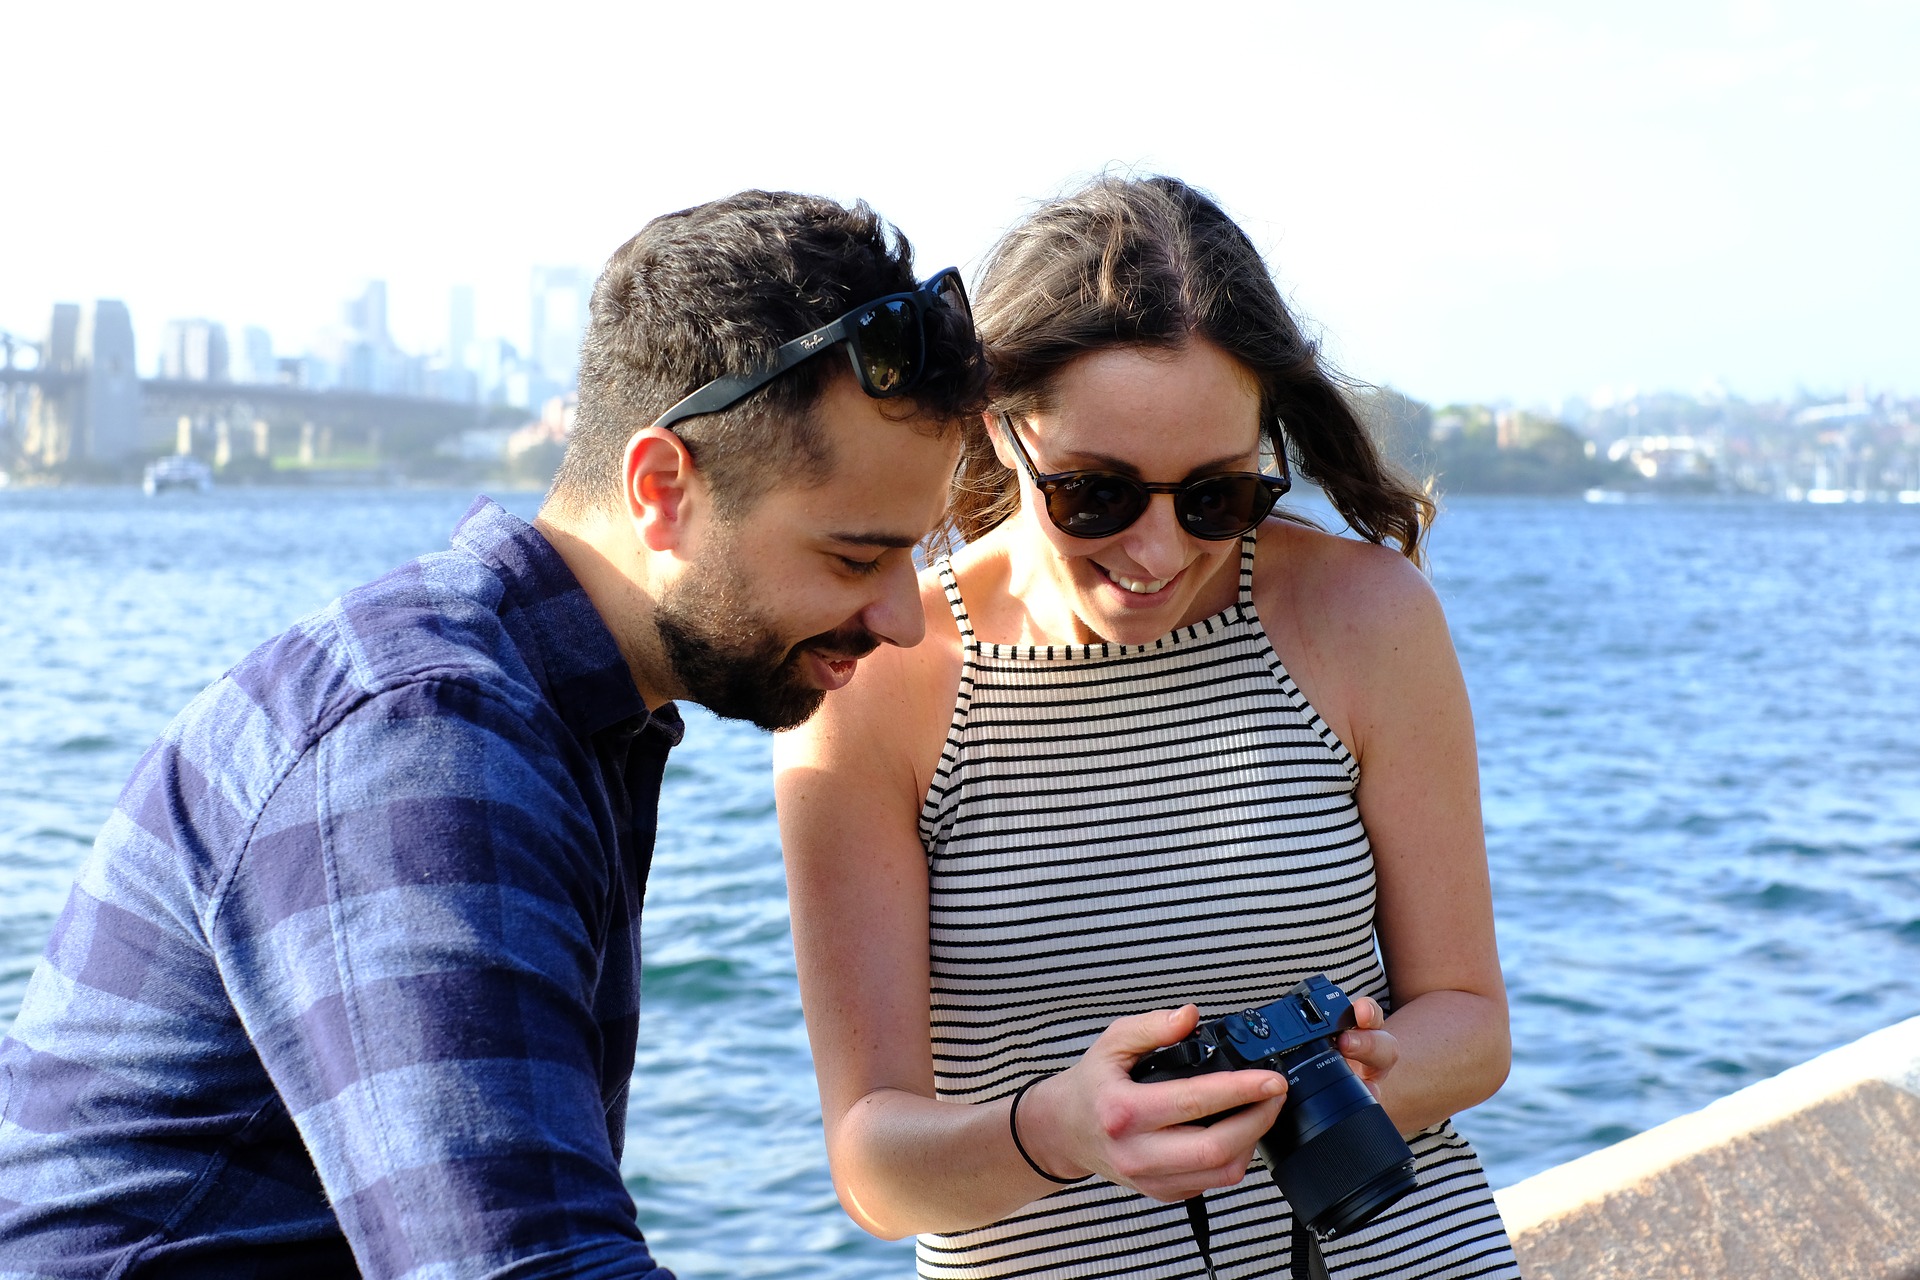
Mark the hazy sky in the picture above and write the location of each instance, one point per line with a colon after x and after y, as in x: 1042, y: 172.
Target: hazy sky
x: 1472, y: 200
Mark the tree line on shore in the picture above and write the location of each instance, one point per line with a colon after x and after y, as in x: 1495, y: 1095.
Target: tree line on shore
x: 1477, y: 449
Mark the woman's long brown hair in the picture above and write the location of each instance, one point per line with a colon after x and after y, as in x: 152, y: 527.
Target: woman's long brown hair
x: 1155, y: 263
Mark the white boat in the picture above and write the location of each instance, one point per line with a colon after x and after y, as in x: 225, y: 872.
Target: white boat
x: 181, y: 471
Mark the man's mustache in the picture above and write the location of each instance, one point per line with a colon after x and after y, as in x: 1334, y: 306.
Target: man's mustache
x: 846, y: 644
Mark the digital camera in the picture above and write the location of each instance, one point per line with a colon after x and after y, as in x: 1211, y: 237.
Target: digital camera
x: 1336, y: 1155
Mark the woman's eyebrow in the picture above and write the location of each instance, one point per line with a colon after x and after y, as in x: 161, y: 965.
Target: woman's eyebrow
x: 1103, y: 462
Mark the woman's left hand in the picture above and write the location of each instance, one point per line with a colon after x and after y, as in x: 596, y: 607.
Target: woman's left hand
x: 1369, y: 1049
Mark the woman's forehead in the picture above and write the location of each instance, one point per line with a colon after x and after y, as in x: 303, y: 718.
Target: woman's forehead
x: 1196, y: 371
x: 1192, y: 404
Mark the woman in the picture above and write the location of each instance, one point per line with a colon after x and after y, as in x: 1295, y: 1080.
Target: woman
x: 1158, y: 751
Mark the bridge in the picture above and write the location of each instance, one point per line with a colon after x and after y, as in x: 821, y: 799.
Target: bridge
x: 80, y: 406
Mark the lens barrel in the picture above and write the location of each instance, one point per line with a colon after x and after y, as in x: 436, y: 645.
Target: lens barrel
x: 1334, y: 1151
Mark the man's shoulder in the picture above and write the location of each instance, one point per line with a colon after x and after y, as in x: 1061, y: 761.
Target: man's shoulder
x: 435, y: 620
x: 433, y: 624
x: 422, y: 655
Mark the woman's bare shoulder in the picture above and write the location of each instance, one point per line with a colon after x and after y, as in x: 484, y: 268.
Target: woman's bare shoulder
x: 1354, y: 623
x: 1338, y: 588
x: 891, y: 718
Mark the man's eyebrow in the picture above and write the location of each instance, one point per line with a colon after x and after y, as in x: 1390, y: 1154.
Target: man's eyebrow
x: 874, y: 539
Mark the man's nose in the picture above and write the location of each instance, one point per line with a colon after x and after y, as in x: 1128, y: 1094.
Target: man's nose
x: 895, y: 615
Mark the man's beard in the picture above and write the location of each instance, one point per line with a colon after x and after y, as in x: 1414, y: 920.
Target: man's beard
x: 732, y: 660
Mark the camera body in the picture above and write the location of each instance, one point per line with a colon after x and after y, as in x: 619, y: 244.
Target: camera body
x: 1333, y: 1151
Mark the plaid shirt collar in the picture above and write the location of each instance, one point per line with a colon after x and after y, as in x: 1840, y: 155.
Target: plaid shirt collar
x: 560, y: 633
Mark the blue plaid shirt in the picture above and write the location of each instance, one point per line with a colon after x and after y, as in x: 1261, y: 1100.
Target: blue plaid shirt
x: 355, y: 963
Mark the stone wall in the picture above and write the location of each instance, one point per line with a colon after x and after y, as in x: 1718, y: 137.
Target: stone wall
x: 1813, y: 1173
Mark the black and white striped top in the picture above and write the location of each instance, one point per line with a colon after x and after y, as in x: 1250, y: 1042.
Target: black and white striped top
x: 1117, y: 828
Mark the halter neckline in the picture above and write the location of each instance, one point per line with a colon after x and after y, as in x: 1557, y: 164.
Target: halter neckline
x: 1240, y: 611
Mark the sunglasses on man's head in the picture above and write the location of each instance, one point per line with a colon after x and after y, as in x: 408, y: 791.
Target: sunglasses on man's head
x: 1099, y: 504
x: 886, y: 339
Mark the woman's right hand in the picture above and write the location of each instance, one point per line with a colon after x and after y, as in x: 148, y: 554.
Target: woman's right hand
x: 1094, y: 1118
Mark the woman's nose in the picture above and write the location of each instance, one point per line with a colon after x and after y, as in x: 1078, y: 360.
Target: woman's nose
x: 1157, y: 542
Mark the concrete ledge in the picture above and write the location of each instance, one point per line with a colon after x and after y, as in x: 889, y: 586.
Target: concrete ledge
x: 1815, y: 1173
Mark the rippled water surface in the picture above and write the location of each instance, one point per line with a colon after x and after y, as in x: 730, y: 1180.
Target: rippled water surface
x: 1700, y: 753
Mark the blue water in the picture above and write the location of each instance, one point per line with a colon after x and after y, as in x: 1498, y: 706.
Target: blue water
x: 1699, y: 729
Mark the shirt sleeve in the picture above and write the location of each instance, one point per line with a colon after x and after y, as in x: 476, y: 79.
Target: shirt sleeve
x: 412, y: 937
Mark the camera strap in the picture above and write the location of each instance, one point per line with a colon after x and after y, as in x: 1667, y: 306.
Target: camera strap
x: 1202, y: 1232
x: 1306, y: 1264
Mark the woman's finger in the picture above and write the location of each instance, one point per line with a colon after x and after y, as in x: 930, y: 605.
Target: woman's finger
x: 1171, y: 1164
x: 1197, y: 1099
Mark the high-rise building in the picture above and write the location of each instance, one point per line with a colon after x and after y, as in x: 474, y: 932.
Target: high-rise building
x: 560, y: 300
x: 460, y: 326
x: 256, y: 356
x: 367, y: 357
x: 194, y: 351
x: 367, y: 314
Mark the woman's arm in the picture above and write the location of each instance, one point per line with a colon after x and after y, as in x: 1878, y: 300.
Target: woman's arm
x: 849, y: 785
x: 1384, y: 674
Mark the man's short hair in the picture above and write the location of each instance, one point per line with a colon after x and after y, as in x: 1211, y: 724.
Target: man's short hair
x: 715, y: 290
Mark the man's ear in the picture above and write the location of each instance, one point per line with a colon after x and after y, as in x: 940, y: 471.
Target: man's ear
x: 662, y: 487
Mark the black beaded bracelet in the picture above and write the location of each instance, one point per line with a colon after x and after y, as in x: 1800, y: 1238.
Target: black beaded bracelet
x: 1013, y: 1126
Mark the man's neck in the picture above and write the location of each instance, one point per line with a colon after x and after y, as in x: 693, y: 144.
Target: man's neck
x: 609, y: 564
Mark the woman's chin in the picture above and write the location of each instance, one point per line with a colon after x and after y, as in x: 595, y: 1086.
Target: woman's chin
x: 1129, y: 621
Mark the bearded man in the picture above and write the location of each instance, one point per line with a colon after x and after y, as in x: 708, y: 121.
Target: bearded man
x: 351, y: 977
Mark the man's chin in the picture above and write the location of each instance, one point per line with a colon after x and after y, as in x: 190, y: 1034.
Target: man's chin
x: 786, y: 705
x: 789, y: 713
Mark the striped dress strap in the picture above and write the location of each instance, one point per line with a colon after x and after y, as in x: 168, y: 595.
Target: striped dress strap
x: 951, y: 585
x: 1249, y: 541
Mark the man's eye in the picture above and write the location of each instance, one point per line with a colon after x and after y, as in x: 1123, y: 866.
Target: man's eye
x: 861, y: 566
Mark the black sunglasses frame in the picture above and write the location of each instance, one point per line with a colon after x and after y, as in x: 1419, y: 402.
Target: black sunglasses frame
x: 729, y: 389
x: 1050, y: 483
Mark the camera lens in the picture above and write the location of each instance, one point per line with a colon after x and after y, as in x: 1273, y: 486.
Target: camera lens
x: 1334, y: 1151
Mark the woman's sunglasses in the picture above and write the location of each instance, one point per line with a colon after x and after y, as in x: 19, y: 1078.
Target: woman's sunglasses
x: 1099, y: 504
x: 885, y: 338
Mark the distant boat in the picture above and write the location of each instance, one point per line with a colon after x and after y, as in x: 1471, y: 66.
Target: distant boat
x: 181, y: 471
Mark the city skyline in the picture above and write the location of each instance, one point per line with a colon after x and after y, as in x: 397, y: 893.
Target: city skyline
x: 201, y: 348
x: 358, y: 351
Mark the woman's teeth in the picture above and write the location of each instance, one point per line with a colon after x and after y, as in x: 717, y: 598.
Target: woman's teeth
x: 1139, y: 586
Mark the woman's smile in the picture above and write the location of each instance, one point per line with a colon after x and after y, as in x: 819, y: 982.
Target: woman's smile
x: 1136, y: 585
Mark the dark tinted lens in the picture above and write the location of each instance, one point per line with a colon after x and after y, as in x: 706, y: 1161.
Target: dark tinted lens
x: 1093, y: 506
x: 886, y: 342
x: 948, y: 292
x: 1223, y: 507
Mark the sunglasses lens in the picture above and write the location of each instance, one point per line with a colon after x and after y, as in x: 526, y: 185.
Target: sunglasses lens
x: 947, y: 291
x: 1094, y: 506
x: 887, y: 344
x: 1225, y: 507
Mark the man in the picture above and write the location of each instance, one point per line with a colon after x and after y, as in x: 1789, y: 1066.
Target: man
x: 351, y: 977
